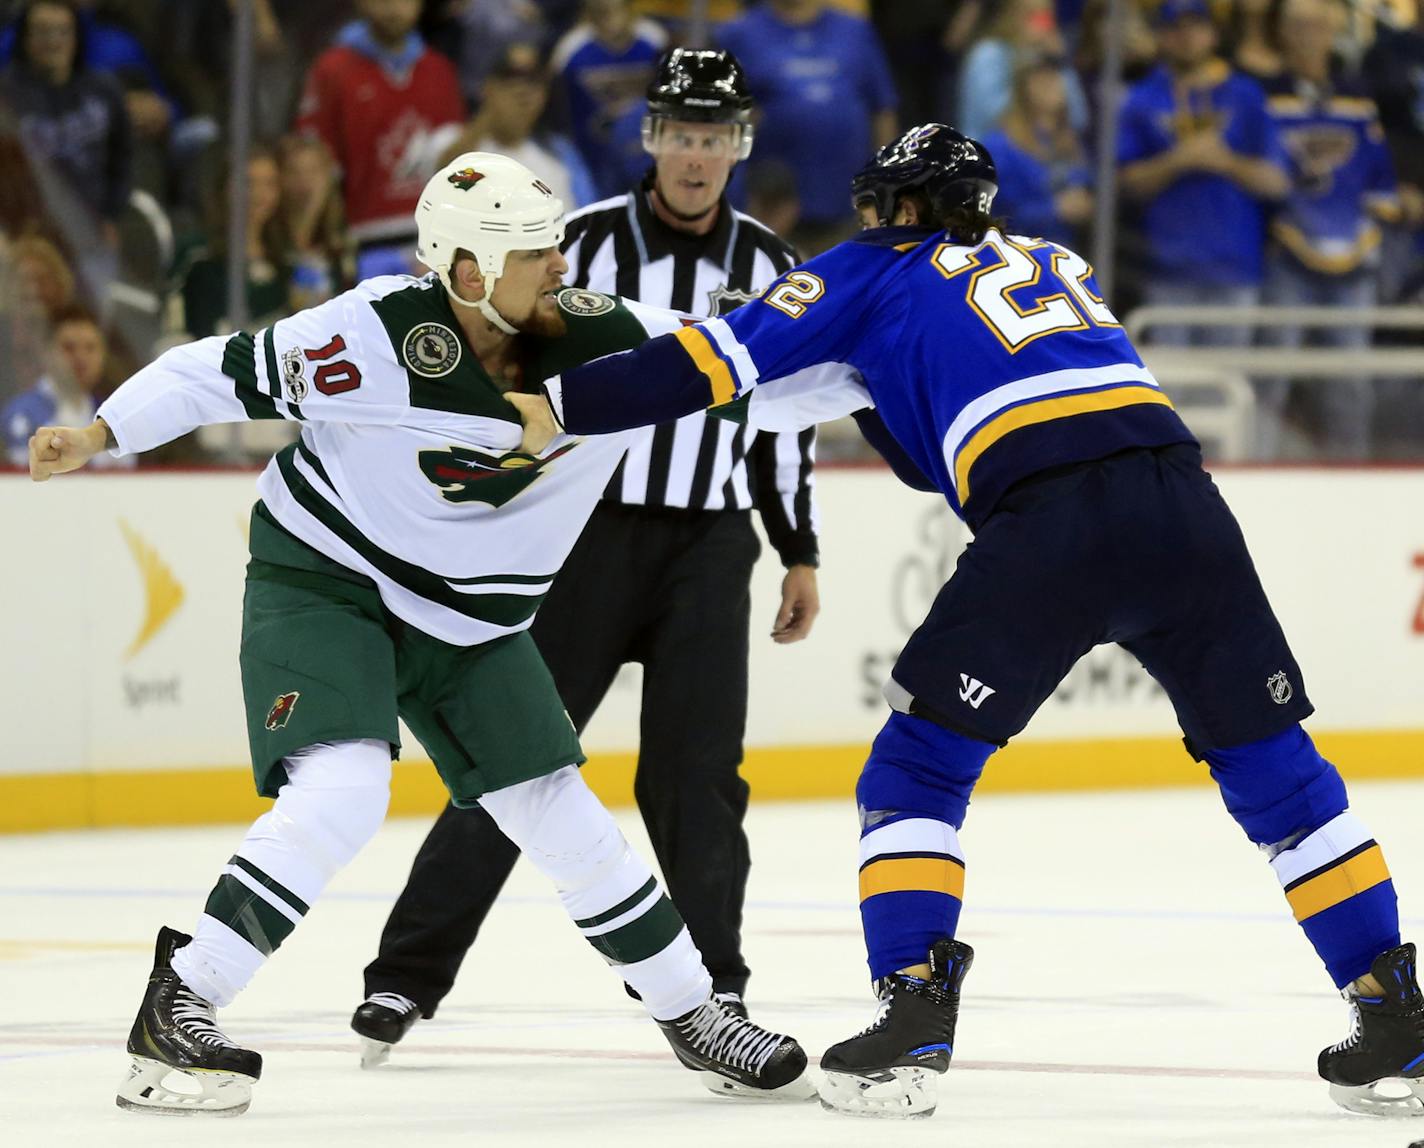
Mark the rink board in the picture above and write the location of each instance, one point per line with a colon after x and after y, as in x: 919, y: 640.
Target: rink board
x: 120, y: 698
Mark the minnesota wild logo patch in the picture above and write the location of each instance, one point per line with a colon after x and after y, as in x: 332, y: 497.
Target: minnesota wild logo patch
x: 465, y: 475
x: 431, y: 350
x: 282, y: 710
x: 578, y: 301
x: 465, y: 178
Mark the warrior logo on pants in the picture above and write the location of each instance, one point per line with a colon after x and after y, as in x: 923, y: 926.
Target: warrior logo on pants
x: 282, y: 709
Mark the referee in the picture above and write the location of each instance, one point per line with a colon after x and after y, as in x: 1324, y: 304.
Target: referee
x: 661, y: 575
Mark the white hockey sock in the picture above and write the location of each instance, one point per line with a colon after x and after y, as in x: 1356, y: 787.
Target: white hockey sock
x: 334, y: 801
x: 608, y: 890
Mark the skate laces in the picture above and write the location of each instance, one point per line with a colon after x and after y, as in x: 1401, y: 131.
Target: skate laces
x: 393, y: 1001
x: 882, y: 1008
x: 195, y: 1016
x: 1354, y: 1038
x: 725, y: 1036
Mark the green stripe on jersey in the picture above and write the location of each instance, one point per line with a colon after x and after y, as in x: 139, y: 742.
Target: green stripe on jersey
x: 505, y: 610
x: 619, y: 909
x: 267, y: 882
x: 239, y: 363
x: 249, y: 916
x: 641, y: 938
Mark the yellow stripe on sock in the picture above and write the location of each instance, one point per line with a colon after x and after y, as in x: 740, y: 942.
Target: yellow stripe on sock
x: 909, y: 874
x: 719, y: 378
x: 1356, y: 875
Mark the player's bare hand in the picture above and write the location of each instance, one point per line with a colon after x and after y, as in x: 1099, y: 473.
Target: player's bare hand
x: 540, y: 429
x: 57, y: 450
x: 800, y: 603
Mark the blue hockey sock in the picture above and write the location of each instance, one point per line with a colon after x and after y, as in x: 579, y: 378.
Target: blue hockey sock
x: 913, y: 795
x: 1291, y: 801
x: 1339, y: 888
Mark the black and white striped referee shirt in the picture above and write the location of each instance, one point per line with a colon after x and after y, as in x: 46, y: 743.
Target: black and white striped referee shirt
x: 620, y: 247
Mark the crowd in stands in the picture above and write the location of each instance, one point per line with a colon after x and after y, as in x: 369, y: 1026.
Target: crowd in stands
x: 1266, y: 152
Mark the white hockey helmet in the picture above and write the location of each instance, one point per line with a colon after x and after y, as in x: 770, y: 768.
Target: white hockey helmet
x: 488, y: 205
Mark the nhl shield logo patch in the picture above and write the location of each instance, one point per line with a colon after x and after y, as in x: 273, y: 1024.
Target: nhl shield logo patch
x: 577, y: 301
x: 282, y: 710
x: 724, y: 300
x: 1280, y: 688
x: 431, y: 350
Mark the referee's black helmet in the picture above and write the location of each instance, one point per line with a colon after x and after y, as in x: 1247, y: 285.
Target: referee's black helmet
x: 700, y: 85
x: 955, y: 173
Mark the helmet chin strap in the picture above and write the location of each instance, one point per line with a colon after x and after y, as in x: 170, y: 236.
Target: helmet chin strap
x: 482, y: 305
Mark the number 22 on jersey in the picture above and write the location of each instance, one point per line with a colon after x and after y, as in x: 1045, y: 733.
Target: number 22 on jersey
x: 1002, y: 274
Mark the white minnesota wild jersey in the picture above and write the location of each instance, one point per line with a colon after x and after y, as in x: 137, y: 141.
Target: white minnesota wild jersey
x: 408, y: 469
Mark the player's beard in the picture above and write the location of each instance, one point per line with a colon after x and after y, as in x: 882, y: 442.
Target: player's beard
x: 545, y: 324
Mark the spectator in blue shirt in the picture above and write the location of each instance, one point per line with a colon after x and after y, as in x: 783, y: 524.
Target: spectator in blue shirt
x: 1044, y: 178
x: 827, y: 100
x: 106, y: 46
x: 77, y: 356
x: 603, y: 65
x: 70, y: 117
x: 1326, y: 236
x: 1020, y: 28
x: 1198, y: 150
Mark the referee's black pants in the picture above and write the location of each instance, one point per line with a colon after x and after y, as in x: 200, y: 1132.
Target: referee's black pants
x: 670, y: 589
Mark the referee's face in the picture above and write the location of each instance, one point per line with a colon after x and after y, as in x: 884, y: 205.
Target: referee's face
x: 694, y: 162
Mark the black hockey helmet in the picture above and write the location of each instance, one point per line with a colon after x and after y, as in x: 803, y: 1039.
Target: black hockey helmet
x: 952, y: 170
x: 700, y: 85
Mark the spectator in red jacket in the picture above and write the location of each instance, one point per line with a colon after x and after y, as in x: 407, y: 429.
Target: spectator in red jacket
x: 387, y: 106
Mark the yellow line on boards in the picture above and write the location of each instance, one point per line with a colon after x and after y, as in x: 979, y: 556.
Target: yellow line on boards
x: 38, y: 801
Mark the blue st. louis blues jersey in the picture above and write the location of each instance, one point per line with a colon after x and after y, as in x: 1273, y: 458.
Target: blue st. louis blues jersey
x: 1342, y: 182
x: 985, y: 363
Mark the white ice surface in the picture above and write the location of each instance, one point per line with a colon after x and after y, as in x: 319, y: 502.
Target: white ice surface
x: 1138, y: 983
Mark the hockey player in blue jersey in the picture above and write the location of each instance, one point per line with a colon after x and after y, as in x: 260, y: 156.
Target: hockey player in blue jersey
x: 1000, y: 378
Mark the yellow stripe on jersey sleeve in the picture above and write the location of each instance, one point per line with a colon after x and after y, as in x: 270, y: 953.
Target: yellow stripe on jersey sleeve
x: 1046, y: 410
x: 719, y: 378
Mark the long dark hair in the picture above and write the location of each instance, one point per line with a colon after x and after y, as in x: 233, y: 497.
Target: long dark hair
x: 963, y: 223
x: 21, y: 25
x: 276, y: 245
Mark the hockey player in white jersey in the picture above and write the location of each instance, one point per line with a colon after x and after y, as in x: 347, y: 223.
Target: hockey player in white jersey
x: 399, y: 552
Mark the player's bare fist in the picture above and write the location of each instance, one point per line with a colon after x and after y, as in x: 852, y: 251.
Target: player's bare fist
x: 540, y: 429
x: 57, y: 450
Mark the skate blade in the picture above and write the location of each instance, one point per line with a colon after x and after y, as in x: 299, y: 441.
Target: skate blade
x: 374, y: 1053
x: 1391, y: 1098
x: 802, y: 1088
x: 148, y: 1088
x: 909, y: 1094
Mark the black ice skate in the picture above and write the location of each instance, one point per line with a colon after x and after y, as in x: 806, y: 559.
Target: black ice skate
x: 1385, y: 1045
x: 380, y: 1021
x: 176, y: 1035
x: 736, y: 1057
x: 734, y: 1002
x: 892, y: 1067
